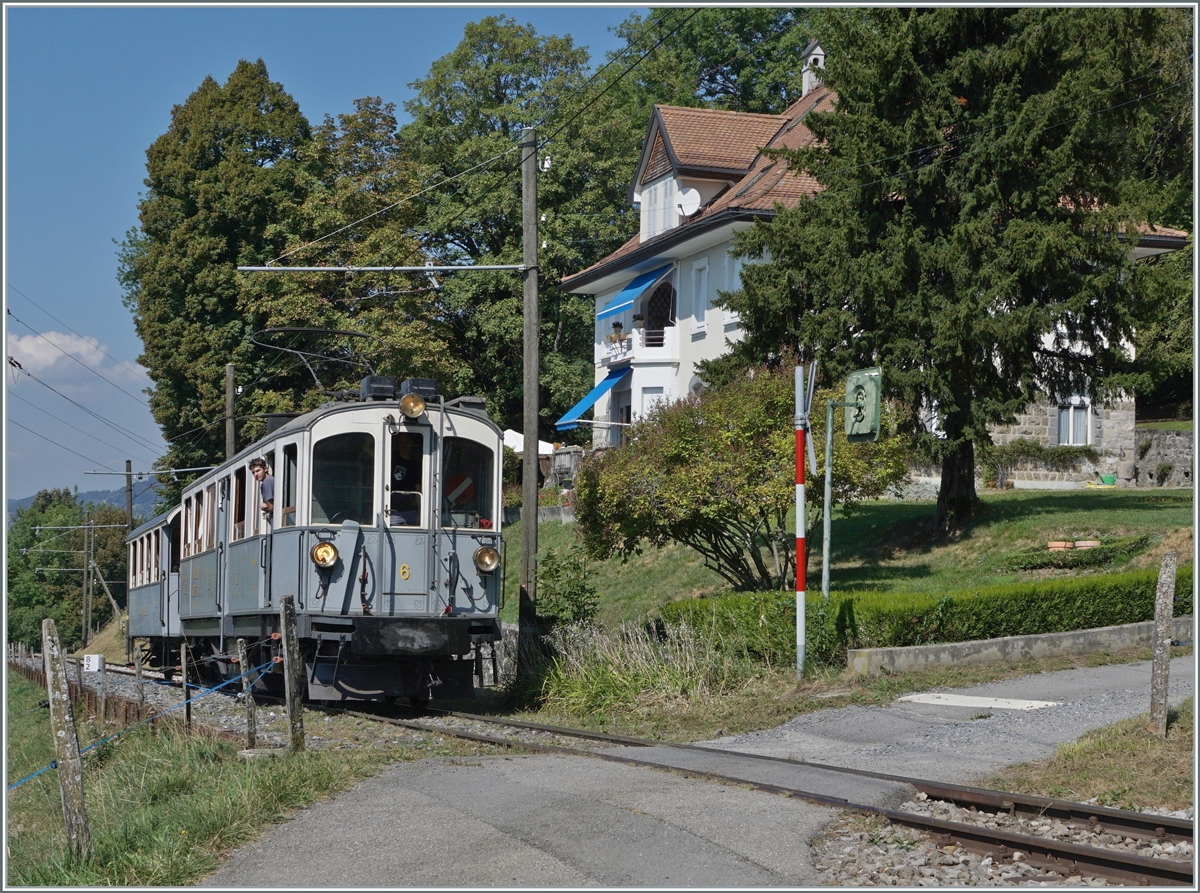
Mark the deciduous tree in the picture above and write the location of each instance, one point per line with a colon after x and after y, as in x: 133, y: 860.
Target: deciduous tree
x: 716, y: 472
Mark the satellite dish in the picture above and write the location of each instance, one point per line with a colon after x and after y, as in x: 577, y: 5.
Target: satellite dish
x: 688, y: 202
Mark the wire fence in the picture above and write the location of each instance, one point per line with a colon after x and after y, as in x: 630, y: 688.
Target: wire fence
x: 122, y: 708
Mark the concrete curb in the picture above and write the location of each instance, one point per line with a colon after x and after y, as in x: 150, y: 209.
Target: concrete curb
x: 873, y: 661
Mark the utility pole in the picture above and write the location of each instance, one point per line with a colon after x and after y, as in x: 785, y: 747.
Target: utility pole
x: 86, y: 619
x: 527, y: 608
x: 128, y: 496
x: 230, y: 444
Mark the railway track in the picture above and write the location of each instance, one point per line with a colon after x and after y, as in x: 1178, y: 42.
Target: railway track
x: 1123, y: 864
x: 1063, y: 859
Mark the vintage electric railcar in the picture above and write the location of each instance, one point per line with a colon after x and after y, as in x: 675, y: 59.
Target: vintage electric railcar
x: 385, y: 530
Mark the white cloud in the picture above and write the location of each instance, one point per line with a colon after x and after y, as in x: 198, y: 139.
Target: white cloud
x: 40, y: 353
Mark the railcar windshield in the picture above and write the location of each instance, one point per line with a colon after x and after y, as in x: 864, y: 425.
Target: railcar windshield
x: 467, y: 484
x: 343, y: 475
x: 407, y: 479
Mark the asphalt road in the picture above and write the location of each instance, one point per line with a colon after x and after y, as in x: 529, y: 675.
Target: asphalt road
x: 556, y: 821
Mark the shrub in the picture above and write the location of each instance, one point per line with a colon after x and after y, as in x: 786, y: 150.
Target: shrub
x: 766, y: 626
x: 564, y: 592
x: 1162, y: 471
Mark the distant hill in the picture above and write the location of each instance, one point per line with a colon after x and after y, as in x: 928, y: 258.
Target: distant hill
x: 144, y: 498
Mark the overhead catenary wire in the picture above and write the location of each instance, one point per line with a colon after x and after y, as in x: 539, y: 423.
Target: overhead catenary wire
x: 56, y: 443
x: 72, y: 427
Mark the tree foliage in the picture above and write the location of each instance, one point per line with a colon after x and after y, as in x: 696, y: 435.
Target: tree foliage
x: 468, y: 116
x: 983, y: 175
x: 716, y: 473
x: 56, y: 592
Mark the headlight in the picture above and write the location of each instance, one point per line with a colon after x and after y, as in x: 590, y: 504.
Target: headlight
x: 324, y: 554
x: 487, y: 559
x: 412, y: 405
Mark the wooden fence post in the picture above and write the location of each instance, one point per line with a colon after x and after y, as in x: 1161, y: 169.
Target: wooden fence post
x: 1164, y: 609
x: 248, y: 695
x: 141, y: 686
x: 66, y: 743
x: 184, y: 654
x: 103, y: 691
x: 293, y: 673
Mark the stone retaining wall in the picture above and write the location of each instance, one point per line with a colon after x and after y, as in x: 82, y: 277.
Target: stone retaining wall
x: 1155, y: 449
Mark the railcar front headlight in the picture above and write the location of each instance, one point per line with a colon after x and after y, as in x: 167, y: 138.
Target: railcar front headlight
x: 487, y: 559
x: 412, y: 405
x: 324, y: 554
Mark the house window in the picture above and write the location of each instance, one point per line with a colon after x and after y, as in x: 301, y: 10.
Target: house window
x: 658, y: 208
x: 700, y: 296
x: 733, y: 282
x: 1073, y: 423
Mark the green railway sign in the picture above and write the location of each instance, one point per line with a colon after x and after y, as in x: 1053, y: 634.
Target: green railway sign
x: 862, y: 405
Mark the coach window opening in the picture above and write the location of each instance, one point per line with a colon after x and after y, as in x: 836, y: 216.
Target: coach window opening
x: 343, y: 479
x: 406, y: 477
x: 173, y: 545
x: 239, y: 503
x: 466, y: 484
x: 287, y: 492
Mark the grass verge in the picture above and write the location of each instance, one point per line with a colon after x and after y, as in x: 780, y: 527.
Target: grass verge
x: 1124, y: 766
x: 164, y: 809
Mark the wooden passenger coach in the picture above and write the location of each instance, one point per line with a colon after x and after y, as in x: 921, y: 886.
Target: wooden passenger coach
x: 385, y: 529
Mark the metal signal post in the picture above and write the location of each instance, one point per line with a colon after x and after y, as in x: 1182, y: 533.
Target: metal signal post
x: 803, y: 402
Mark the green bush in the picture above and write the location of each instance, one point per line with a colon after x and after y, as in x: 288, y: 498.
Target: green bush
x: 765, y: 623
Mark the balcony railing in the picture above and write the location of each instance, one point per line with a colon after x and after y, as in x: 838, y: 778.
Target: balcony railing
x: 640, y: 344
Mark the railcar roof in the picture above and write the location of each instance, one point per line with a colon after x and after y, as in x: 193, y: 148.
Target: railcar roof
x: 156, y: 521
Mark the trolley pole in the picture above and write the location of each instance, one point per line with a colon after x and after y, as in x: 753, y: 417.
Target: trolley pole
x: 527, y: 609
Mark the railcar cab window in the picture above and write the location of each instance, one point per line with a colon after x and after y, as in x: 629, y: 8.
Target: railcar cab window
x: 406, y: 479
x: 466, y: 484
x: 343, y: 475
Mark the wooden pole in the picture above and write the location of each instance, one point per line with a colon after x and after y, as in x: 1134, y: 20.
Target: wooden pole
x: 103, y: 690
x: 293, y: 673
x: 128, y: 495
x: 230, y: 441
x: 527, y: 605
x: 66, y: 743
x: 248, y: 695
x: 1164, y: 608
x: 141, y: 686
x: 184, y: 654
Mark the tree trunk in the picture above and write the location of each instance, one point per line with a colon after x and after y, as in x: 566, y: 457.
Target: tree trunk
x: 956, y: 496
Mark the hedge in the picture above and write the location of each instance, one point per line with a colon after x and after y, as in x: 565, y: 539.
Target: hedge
x: 763, y: 625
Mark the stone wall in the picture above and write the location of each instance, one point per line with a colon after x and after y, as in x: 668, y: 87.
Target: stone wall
x: 1154, y: 448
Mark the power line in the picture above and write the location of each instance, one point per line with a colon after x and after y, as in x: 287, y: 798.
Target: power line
x: 16, y: 365
x: 68, y: 424
x: 77, y: 360
x: 56, y: 443
x: 132, y: 369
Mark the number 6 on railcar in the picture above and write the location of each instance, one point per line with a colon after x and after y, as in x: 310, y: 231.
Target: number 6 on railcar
x: 384, y: 527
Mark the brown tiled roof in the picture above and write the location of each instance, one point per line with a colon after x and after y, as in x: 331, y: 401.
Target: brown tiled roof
x: 710, y: 138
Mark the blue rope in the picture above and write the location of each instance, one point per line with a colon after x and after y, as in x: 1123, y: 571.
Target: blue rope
x: 203, y: 691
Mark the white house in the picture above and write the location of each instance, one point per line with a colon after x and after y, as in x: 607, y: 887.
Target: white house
x: 701, y: 178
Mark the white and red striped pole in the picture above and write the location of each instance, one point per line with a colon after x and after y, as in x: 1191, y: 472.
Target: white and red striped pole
x: 801, y: 562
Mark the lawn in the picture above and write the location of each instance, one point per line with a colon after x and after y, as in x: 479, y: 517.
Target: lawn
x: 889, y: 546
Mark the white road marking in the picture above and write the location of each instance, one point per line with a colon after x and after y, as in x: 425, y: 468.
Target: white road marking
x: 952, y: 700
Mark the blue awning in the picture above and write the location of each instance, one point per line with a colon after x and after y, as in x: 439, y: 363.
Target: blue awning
x: 571, y: 419
x: 631, y: 292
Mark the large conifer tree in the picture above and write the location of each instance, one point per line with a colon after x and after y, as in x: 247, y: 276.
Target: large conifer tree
x: 983, y: 176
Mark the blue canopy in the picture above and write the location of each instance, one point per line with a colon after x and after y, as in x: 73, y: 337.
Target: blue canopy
x: 631, y: 292
x: 571, y: 419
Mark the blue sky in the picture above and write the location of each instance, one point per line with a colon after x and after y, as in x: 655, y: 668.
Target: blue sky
x: 87, y: 89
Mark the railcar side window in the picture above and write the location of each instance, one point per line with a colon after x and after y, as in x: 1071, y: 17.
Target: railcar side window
x: 466, y: 484
x: 288, y: 492
x: 343, y: 479
x: 406, y: 477
x: 239, y: 503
